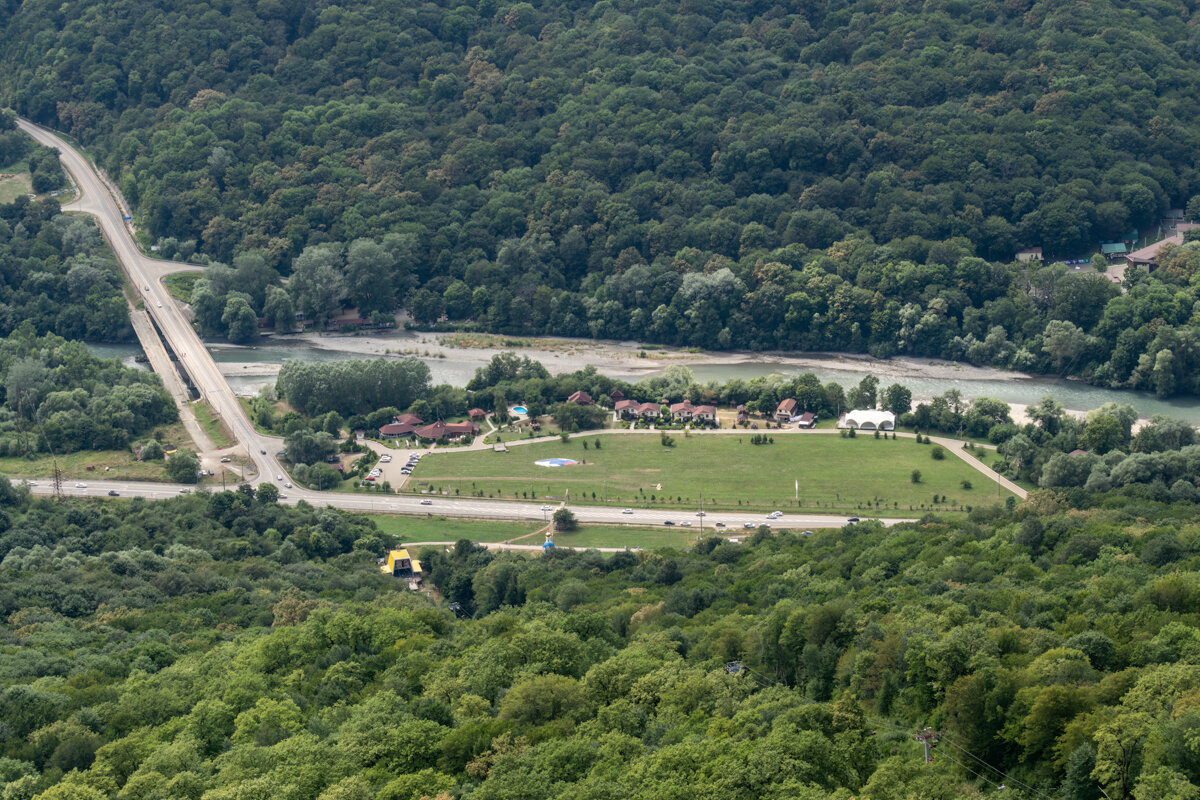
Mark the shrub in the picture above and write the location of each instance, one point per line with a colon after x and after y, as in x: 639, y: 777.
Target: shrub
x: 937, y: 453
x: 916, y: 476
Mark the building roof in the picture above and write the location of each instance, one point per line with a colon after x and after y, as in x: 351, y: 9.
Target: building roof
x: 396, y: 429
x: 860, y: 417
x: 650, y: 408
x: 581, y: 397
x: 439, y: 429
x: 476, y: 413
x: 1149, y: 255
x: 616, y: 394
x: 786, y: 406
x: 631, y: 405
x: 685, y: 406
x: 1113, y: 248
x: 1030, y: 251
x: 411, y: 419
x: 807, y: 417
x: 709, y: 410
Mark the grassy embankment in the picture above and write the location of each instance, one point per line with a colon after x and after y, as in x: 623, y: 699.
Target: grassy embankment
x: 213, y: 425
x: 834, y: 474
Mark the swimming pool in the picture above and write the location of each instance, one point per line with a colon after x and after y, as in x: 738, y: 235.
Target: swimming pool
x: 519, y: 410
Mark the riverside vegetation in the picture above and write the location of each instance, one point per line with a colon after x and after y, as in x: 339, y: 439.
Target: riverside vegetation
x: 822, y: 176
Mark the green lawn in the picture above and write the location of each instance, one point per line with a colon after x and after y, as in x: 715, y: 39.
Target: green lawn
x: 18, y: 185
x: 441, y: 529
x: 611, y: 536
x: 834, y: 474
x: 106, y: 464
x: 181, y: 283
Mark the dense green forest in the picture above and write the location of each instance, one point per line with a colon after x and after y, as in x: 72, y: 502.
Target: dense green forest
x: 225, y: 647
x: 843, y: 175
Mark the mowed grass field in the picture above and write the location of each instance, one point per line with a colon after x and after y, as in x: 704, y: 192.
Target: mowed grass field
x: 442, y: 529
x: 834, y: 474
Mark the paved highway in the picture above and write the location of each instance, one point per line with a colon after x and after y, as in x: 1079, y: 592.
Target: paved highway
x: 470, y: 508
x: 99, y: 199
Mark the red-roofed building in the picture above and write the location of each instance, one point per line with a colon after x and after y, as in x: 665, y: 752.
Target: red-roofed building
x: 581, y: 398
x: 807, y: 420
x: 627, y: 408
x: 616, y: 395
x: 443, y: 430
x: 477, y: 413
x: 785, y: 409
x: 705, y: 413
x: 410, y: 419
x: 396, y: 430
x: 649, y: 410
x: 682, y: 412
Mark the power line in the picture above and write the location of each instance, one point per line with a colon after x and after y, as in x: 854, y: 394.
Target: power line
x: 996, y: 770
x: 973, y: 772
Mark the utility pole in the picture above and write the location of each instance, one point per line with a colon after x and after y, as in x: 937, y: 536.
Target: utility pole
x: 929, y: 738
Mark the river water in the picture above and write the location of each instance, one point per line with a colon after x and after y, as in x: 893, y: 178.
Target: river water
x: 457, y: 366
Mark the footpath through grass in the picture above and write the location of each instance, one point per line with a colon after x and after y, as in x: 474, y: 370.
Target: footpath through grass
x: 833, y: 474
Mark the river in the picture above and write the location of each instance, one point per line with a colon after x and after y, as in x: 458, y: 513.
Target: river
x: 622, y: 360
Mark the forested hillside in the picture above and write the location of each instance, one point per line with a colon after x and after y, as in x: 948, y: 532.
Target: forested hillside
x: 820, y: 176
x: 226, y: 648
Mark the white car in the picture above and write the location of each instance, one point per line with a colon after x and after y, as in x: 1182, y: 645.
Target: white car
x: 547, y: 508
x: 627, y: 511
x: 386, y: 460
x: 287, y: 485
x: 685, y: 524
x: 81, y: 486
x: 185, y: 491
x: 282, y: 496
x: 160, y: 305
x: 31, y: 483
x: 279, y: 477
x: 775, y: 515
x: 147, y: 288
x: 426, y: 502
x: 226, y: 460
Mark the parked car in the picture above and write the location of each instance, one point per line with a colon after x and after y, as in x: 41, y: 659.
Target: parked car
x: 427, y: 502
x: 263, y: 452
x: 750, y: 525
x: 226, y: 460
x: 405, y: 471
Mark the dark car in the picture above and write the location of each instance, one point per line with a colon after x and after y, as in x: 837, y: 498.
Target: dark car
x: 113, y: 493
x: 669, y: 522
x: 852, y: 519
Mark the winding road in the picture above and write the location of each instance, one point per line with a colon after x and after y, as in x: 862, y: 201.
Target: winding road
x: 99, y: 197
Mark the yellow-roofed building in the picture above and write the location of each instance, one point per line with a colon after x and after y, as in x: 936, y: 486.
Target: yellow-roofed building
x: 397, y: 561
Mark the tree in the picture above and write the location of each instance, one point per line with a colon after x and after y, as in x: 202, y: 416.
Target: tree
x: 183, y: 467
x: 317, y: 286
x: 863, y: 395
x: 916, y: 476
x: 564, y: 520
x: 897, y: 399
x: 267, y: 493
x: 1064, y: 342
x: 240, y: 321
